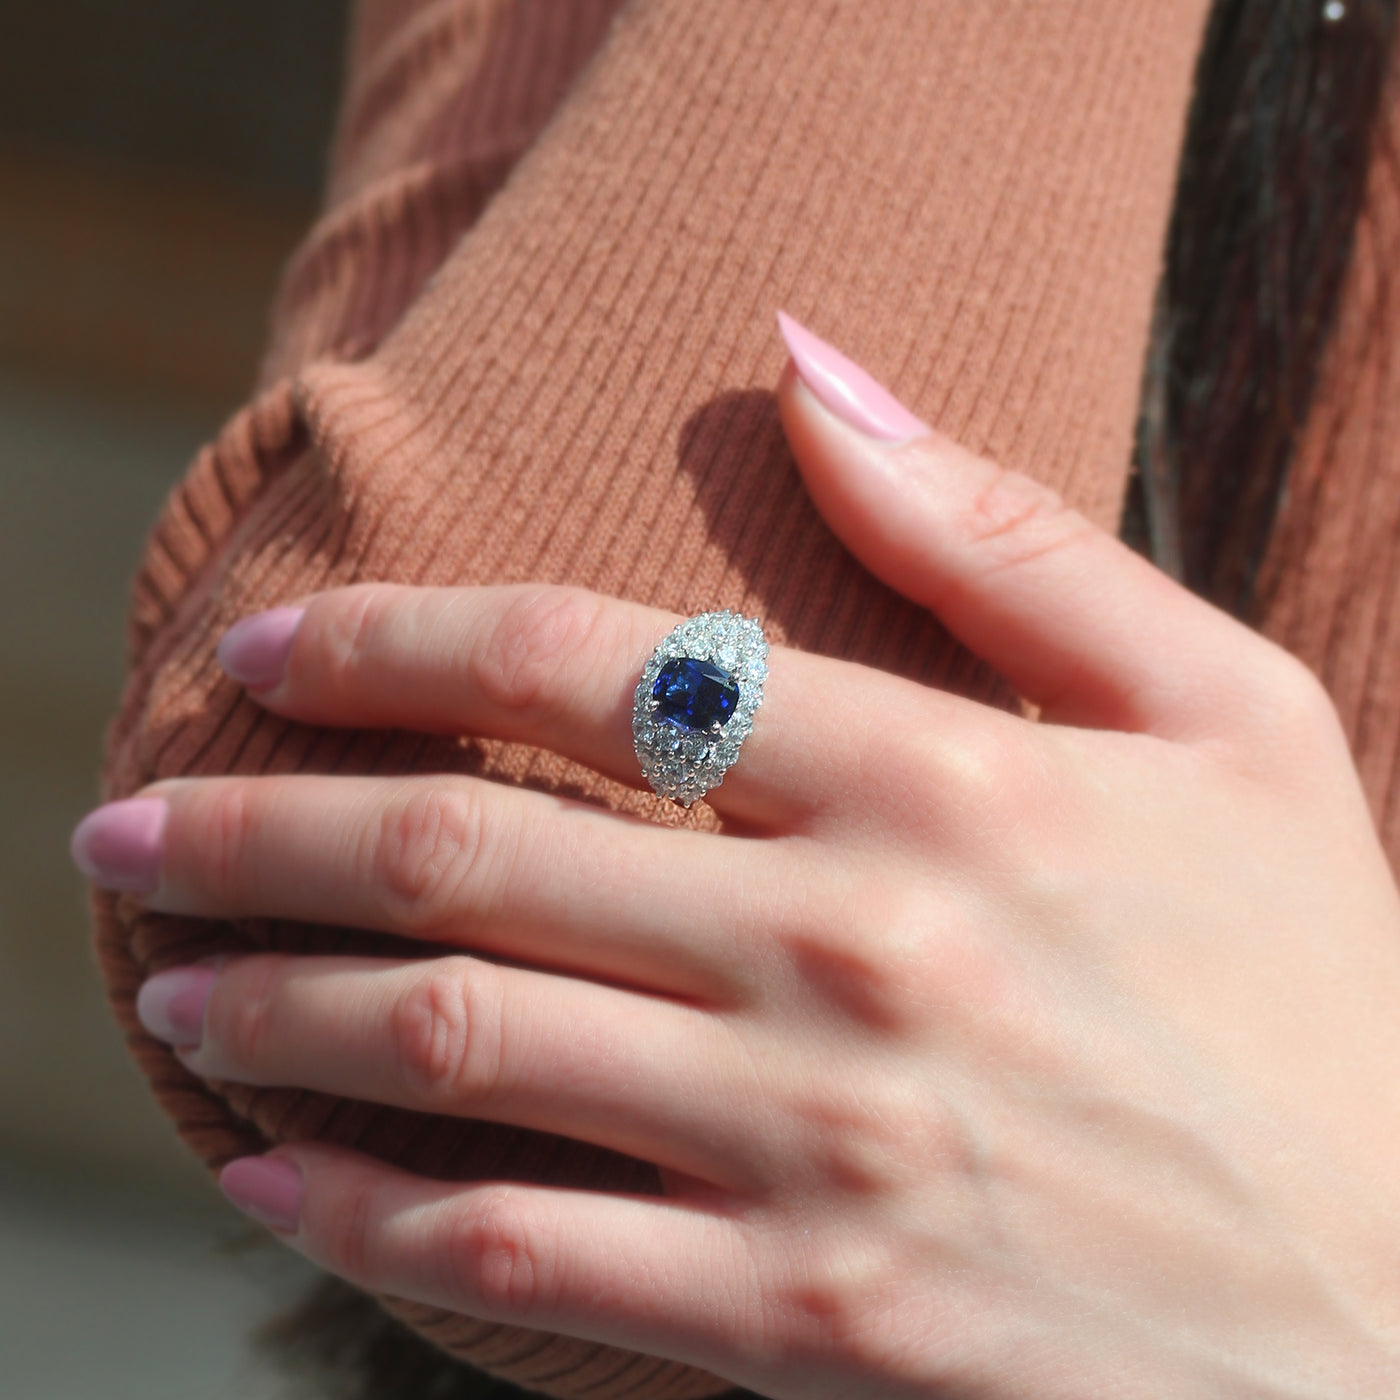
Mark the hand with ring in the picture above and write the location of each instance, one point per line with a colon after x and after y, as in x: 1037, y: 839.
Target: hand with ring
x: 980, y: 1054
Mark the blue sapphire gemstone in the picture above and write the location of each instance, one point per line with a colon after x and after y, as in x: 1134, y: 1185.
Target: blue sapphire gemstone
x: 695, y: 694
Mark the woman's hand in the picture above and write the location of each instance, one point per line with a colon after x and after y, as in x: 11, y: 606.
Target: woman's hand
x: 980, y: 1056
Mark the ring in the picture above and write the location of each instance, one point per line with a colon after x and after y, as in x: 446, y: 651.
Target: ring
x: 696, y: 701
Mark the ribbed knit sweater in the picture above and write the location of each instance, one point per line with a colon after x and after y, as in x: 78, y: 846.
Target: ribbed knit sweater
x: 532, y: 337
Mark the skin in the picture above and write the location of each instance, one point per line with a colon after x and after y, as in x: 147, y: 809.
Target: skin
x: 982, y: 1056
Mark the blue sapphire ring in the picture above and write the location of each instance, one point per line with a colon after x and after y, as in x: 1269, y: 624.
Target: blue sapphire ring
x: 696, y: 701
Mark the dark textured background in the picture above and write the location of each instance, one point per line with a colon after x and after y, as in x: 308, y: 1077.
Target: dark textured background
x: 243, y: 92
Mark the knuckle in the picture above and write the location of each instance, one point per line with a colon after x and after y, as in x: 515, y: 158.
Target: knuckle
x: 226, y: 833
x: 428, y: 846
x: 1014, y: 519
x: 239, y: 1023
x: 962, y: 776
x: 352, y: 635
x: 884, y: 959
x: 446, y: 1033
x: 1288, y: 722
x: 972, y: 979
x: 519, y: 666
x: 1299, y: 696
x: 869, y: 1138
x: 825, y: 1302
x: 852, y: 961
x: 495, y: 1257
x: 350, y: 1230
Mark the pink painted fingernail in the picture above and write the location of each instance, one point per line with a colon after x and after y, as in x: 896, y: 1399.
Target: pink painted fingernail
x: 171, y: 1004
x: 119, y: 846
x: 267, y: 1188
x: 846, y: 389
x: 254, y: 650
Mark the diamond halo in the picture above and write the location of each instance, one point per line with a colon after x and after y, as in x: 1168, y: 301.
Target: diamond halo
x: 681, y: 762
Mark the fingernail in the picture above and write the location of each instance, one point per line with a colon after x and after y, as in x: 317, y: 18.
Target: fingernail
x: 171, y: 1004
x: 267, y: 1188
x: 254, y: 650
x: 119, y: 846
x: 846, y: 389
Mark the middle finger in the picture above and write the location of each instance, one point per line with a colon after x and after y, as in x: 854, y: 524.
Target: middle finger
x: 463, y: 861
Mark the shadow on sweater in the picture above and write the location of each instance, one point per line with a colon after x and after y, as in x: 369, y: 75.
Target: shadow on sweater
x: 807, y: 588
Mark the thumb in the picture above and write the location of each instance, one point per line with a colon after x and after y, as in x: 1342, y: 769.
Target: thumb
x: 1080, y: 624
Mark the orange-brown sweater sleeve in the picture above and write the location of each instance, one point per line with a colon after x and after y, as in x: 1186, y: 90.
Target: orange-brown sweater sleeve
x: 442, y: 98
x: 559, y: 366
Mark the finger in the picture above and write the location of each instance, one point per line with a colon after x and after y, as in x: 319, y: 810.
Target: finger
x: 556, y: 668
x: 641, y: 1273
x: 458, y: 860
x: 1074, y: 619
x: 469, y: 1039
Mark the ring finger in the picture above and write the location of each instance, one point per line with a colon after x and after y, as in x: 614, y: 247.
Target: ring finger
x: 556, y: 668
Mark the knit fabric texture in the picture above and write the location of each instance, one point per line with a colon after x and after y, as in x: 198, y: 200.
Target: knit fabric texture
x: 532, y: 338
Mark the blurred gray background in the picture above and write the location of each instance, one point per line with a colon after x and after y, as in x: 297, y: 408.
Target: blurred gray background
x: 158, y: 161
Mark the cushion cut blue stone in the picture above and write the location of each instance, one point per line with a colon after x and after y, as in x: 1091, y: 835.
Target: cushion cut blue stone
x: 695, y: 694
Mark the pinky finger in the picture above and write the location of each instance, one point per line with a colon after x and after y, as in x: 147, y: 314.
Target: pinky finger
x: 640, y: 1272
